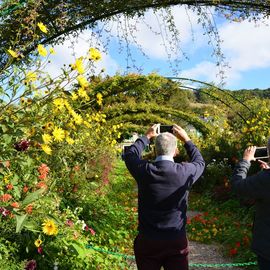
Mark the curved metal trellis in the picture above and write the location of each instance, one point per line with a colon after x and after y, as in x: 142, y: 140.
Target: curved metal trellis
x: 212, y: 96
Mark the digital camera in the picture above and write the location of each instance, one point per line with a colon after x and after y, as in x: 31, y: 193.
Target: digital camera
x: 165, y: 128
x: 261, y: 153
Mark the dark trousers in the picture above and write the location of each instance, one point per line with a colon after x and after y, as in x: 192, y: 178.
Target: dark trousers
x: 151, y: 254
x: 263, y: 263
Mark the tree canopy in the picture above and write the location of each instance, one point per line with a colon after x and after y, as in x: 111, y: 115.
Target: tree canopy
x: 18, y: 19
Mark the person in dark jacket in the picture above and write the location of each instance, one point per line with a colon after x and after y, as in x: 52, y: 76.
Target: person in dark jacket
x: 163, y: 188
x: 256, y: 187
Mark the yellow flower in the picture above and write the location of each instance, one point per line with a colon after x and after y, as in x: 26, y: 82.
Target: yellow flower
x: 82, y: 81
x: 59, y: 103
x: 31, y: 76
x: 94, y: 54
x: 42, y: 27
x: 70, y: 140
x: 77, y: 118
x: 41, y: 50
x: 58, y: 134
x: 82, y: 93
x: 13, y: 53
x: 49, y: 227
x: 78, y: 65
x: 38, y: 242
x: 47, y: 149
x: 99, y: 99
x: 47, y: 138
x: 74, y: 96
x: 52, y: 51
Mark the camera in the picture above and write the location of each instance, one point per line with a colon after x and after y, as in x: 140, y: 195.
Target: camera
x: 261, y: 153
x: 165, y: 128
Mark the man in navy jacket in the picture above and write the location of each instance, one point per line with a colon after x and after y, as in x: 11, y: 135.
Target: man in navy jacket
x: 256, y: 187
x: 163, y: 187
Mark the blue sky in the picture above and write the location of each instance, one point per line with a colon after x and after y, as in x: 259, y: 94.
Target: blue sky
x: 245, y: 46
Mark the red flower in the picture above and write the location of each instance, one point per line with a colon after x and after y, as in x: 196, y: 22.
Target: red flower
x: 25, y: 189
x: 39, y: 250
x: 233, y: 251
x: 29, y: 209
x: 238, y: 244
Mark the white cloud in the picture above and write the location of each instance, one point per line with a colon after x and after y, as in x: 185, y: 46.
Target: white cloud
x: 245, y: 46
x: 73, y: 48
x: 157, y: 41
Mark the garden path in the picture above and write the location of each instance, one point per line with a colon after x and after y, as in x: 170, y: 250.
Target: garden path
x: 204, y: 253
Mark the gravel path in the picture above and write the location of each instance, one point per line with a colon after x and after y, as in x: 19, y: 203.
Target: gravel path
x: 203, y: 253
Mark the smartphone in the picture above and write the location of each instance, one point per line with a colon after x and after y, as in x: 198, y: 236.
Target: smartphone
x: 166, y: 128
x: 261, y: 153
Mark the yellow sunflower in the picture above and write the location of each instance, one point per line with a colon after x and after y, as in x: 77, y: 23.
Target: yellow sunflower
x: 49, y: 227
x: 58, y: 134
x: 47, y: 149
x: 94, y: 54
x: 42, y: 27
x: 47, y: 138
x: 41, y: 50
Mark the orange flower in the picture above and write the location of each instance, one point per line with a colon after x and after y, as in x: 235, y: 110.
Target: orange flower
x: 5, y: 197
x: 43, y: 169
x: 15, y: 205
x: 41, y: 184
x: 9, y: 186
x: 25, y: 189
x: 29, y: 209
x: 7, y: 164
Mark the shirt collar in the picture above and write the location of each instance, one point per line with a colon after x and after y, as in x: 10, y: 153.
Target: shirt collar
x: 164, y: 157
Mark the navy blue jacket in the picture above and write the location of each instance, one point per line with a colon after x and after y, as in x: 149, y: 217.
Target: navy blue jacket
x: 256, y: 187
x: 163, y: 189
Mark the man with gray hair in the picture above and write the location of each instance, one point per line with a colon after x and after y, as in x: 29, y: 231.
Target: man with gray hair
x: 163, y: 187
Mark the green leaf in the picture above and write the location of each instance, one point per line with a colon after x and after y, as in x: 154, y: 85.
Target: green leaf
x: 17, y: 192
x: 33, y: 196
x: 80, y: 249
x: 20, y: 220
x: 7, y: 138
x: 31, y: 226
x: 4, y: 128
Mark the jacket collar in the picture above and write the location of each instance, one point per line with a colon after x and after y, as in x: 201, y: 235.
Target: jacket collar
x: 164, y: 157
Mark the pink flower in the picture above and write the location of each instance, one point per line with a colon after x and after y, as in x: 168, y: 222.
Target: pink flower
x: 4, y: 211
x: 92, y: 231
x: 69, y: 223
x: 39, y: 250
